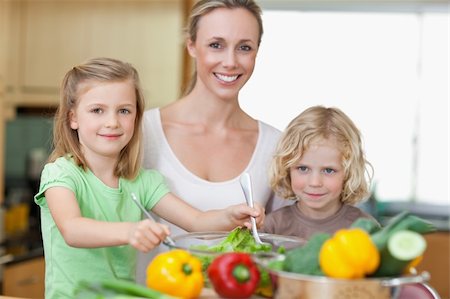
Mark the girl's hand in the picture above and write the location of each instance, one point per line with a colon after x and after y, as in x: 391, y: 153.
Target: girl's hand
x: 145, y: 235
x: 239, y: 215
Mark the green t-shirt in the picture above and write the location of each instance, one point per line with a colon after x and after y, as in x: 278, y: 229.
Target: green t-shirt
x: 66, y: 265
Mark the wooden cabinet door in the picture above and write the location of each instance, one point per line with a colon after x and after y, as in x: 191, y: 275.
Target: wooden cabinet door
x: 436, y: 261
x: 55, y: 35
x: 25, y: 279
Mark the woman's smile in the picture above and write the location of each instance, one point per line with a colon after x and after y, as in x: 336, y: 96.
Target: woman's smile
x: 226, y: 78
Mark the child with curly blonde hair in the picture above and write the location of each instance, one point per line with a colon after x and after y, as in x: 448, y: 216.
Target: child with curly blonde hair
x: 319, y: 163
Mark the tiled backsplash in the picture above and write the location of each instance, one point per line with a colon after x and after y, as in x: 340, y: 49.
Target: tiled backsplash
x: 23, y: 135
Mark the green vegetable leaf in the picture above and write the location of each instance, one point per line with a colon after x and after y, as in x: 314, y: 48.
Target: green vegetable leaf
x: 238, y: 240
x: 305, y: 259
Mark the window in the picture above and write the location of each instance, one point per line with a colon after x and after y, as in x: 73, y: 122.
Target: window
x: 388, y: 71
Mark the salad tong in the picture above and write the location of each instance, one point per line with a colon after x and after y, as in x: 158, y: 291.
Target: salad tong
x: 246, y: 185
x: 168, y: 241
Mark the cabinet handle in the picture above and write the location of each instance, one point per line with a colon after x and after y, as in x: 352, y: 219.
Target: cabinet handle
x: 29, y: 280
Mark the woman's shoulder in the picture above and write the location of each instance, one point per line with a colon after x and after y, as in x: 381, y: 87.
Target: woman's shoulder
x: 269, y: 129
x: 268, y: 139
x: 269, y: 136
x: 151, y: 114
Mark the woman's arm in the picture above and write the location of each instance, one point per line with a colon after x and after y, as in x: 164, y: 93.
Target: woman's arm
x: 79, y: 231
x: 180, y: 213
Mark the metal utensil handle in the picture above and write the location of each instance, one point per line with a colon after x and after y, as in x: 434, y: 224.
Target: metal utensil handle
x: 168, y: 240
x: 246, y: 185
x: 393, y: 282
x: 254, y: 231
x: 147, y: 214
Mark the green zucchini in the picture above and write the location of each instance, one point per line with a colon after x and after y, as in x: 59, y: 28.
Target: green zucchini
x: 402, y: 247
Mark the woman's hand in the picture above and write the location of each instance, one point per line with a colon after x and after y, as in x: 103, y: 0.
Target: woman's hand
x: 239, y: 215
x: 146, y: 235
x: 175, y: 210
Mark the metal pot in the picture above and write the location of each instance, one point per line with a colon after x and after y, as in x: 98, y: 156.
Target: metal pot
x: 287, y: 285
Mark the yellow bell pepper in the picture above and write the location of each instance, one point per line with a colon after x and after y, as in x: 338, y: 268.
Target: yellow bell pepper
x: 176, y: 273
x: 350, y: 253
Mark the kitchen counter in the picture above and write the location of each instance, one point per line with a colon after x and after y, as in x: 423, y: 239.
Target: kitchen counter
x: 10, y: 259
x: 206, y: 294
x: 209, y: 293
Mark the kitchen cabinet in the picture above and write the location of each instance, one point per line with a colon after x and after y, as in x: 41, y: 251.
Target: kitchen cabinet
x: 41, y: 39
x: 2, y: 148
x: 46, y: 38
x: 3, y: 29
x: 25, y: 279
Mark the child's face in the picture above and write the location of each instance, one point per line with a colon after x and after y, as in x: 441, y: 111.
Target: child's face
x: 104, y: 117
x: 318, y: 179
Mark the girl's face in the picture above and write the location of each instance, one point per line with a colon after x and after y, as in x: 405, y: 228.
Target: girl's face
x: 225, y: 50
x: 104, y: 117
x: 318, y: 179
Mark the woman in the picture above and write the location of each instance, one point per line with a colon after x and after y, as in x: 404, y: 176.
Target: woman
x: 203, y: 142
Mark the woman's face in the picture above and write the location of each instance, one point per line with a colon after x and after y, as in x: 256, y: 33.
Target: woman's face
x: 225, y: 50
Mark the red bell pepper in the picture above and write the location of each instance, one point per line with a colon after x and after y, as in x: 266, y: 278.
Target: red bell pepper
x: 234, y: 275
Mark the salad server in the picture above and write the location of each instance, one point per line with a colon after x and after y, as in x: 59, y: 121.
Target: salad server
x: 246, y: 185
x: 168, y: 241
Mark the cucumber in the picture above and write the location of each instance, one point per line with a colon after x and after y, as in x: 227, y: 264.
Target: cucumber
x: 402, y: 221
x: 402, y: 247
x: 406, y: 245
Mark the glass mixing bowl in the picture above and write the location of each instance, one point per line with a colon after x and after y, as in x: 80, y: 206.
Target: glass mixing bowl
x: 190, y: 241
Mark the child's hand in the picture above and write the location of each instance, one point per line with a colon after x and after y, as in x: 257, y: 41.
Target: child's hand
x: 145, y: 235
x: 239, y: 214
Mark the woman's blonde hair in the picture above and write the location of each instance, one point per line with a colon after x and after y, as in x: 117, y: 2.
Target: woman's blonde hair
x: 313, y: 125
x: 65, y: 139
x: 203, y: 7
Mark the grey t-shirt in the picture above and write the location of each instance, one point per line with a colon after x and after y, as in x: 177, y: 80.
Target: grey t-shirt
x: 291, y: 221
